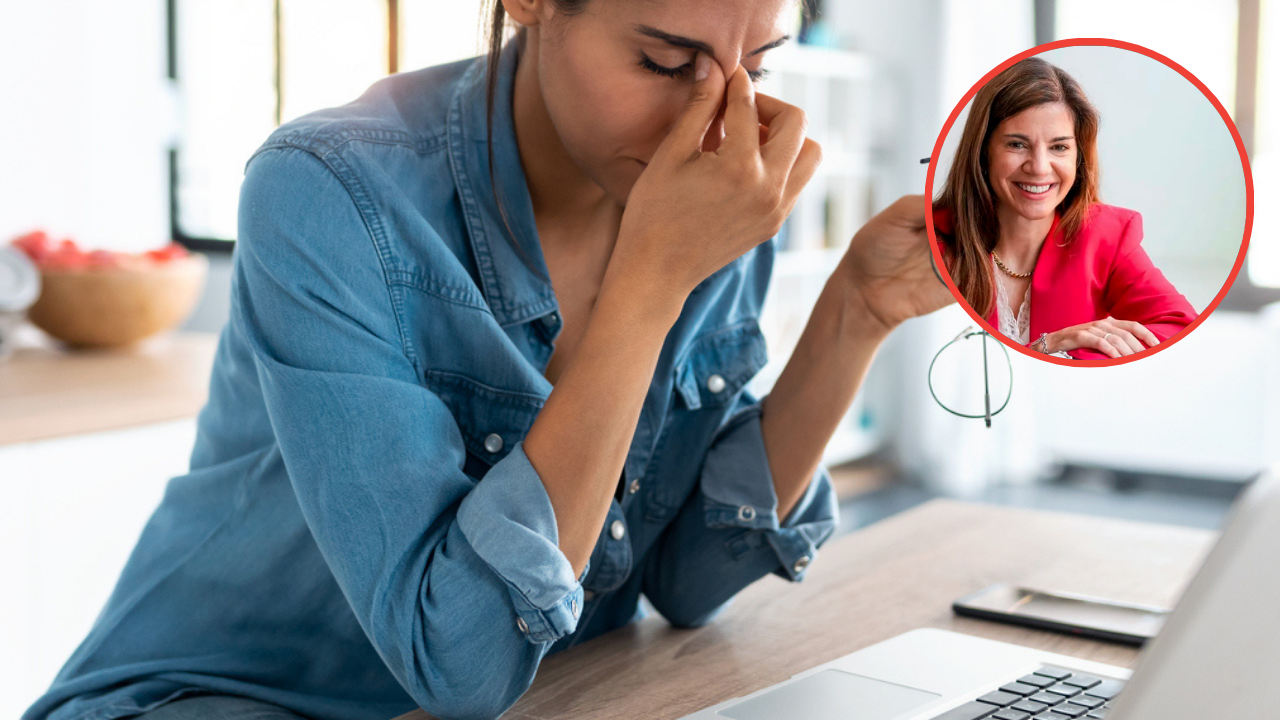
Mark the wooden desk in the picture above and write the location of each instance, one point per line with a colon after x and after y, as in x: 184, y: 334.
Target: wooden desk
x: 47, y: 391
x: 895, y: 576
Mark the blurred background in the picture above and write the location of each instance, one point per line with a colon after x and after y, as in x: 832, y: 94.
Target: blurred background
x: 129, y: 124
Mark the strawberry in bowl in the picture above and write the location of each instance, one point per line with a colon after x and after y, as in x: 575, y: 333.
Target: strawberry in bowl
x: 105, y: 298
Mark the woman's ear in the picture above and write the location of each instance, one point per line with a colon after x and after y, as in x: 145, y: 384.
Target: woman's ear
x: 527, y: 12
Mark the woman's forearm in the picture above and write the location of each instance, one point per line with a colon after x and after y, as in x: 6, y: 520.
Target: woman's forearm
x: 579, y: 442
x: 816, y: 388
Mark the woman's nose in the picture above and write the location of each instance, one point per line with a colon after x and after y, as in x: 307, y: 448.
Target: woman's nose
x: 1038, y: 163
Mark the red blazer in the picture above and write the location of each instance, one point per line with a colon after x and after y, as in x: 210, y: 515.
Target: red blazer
x: 1103, y: 271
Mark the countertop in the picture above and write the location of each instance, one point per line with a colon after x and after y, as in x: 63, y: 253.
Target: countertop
x: 49, y: 391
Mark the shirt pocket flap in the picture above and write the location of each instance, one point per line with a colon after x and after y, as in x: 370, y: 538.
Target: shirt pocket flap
x: 719, y: 364
x: 492, y: 420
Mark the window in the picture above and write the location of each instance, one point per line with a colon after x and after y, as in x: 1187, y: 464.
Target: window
x: 243, y: 67
x: 1264, y: 248
x: 1230, y: 46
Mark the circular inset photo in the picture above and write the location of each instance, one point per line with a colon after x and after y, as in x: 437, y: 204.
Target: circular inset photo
x: 1091, y: 202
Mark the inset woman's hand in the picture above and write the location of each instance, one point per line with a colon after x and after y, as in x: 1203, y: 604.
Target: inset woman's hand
x: 691, y: 212
x: 1112, y: 337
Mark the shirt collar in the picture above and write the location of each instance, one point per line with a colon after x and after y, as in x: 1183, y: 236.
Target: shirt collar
x: 515, y: 282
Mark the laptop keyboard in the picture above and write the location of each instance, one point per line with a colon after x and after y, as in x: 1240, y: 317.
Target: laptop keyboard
x: 1049, y: 693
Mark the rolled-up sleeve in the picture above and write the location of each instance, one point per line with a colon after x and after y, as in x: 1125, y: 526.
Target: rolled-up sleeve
x: 728, y: 534
x: 460, y: 586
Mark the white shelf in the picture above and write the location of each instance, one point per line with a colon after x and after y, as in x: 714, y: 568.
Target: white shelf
x: 833, y: 87
x: 812, y: 61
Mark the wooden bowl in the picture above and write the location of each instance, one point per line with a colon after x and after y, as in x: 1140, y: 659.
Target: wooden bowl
x: 113, y: 306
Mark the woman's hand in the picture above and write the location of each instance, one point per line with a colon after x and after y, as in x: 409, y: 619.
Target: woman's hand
x: 692, y: 212
x: 888, y: 265
x: 1115, y: 338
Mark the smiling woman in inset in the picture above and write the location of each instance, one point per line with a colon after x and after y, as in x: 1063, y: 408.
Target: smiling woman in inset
x: 484, y: 383
x: 1027, y: 241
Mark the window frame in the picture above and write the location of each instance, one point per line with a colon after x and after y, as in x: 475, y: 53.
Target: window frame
x: 227, y: 245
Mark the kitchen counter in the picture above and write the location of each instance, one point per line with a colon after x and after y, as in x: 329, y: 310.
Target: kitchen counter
x: 48, y: 391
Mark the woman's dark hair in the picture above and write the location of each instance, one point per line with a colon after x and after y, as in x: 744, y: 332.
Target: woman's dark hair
x: 495, y: 36
x: 967, y: 192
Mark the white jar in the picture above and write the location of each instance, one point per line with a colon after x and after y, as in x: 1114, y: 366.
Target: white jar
x: 19, y: 288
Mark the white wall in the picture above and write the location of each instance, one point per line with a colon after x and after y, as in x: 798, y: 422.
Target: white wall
x: 86, y: 121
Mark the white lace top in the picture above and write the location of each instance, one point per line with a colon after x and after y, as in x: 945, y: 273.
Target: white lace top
x: 1015, y: 327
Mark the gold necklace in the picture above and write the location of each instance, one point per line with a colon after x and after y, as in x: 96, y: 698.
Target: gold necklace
x: 1007, y: 271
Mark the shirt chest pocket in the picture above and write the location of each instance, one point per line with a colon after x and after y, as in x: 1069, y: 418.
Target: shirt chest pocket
x: 717, y: 365
x: 707, y: 380
x: 491, y: 419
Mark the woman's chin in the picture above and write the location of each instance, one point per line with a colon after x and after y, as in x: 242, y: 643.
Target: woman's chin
x: 1032, y: 211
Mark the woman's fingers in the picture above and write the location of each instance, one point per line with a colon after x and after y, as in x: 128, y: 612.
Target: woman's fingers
x: 685, y: 138
x: 1114, y: 338
x: 785, y: 128
x: 801, y: 172
x: 1120, y: 338
x: 908, y: 211
x: 1092, y: 336
x: 1101, y: 343
x: 1134, y: 343
x: 1139, y: 331
x: 741, y: 120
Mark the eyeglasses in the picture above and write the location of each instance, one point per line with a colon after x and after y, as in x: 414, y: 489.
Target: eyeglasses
x: 988, y: 413
x: 965, y: 334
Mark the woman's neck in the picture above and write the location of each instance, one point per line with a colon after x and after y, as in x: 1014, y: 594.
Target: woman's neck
x: 1021, y: 239
x: 558, y: 188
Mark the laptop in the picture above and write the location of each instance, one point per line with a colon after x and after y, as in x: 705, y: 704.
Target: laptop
x: 1217, y: 656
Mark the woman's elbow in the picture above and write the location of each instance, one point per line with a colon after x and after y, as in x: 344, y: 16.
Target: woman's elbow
x: 472, y: 694
x: 687, y: 614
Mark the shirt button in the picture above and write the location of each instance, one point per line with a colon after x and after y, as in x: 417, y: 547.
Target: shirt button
x: 746, y: 512
x: 524, y: 626
x: 635, y: 486
x: 573, y: 607
x: 715, y: 383
x: 801, y: 564
x: 493, y: 443
x: 617, y: 529
x: 551, y: 320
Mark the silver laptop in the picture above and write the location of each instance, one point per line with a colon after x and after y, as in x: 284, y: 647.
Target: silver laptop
x: 1218, y: 656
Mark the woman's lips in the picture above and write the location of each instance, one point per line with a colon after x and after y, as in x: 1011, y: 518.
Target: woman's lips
x: 1035, y: 192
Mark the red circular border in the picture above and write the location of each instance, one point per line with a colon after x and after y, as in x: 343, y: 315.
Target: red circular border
x: 1073, y: 42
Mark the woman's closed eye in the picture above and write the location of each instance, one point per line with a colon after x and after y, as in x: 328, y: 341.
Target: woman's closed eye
x: 651, y: 66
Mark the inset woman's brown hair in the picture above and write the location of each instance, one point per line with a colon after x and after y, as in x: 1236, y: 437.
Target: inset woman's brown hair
x: 967, y: 193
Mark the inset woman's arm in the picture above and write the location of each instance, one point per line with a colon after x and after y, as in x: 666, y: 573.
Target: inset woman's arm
x: 1138, y: 291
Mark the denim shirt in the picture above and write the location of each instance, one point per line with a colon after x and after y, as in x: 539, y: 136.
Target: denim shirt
x: 361, y: 532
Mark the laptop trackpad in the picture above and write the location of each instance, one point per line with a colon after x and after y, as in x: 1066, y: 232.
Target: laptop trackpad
x: 831, y: 695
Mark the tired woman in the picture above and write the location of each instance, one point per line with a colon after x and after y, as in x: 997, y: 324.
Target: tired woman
x: 482, y: 386
x: 1029, y: 245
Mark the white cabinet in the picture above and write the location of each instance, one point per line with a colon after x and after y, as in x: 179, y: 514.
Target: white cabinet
x: 71, y: 512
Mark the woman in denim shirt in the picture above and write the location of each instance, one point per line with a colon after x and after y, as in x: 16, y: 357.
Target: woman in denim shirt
x: 388, y: 505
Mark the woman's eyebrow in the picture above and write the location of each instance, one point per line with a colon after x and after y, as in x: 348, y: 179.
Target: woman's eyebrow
x: 690, y: 43
x: 1020, y: 136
